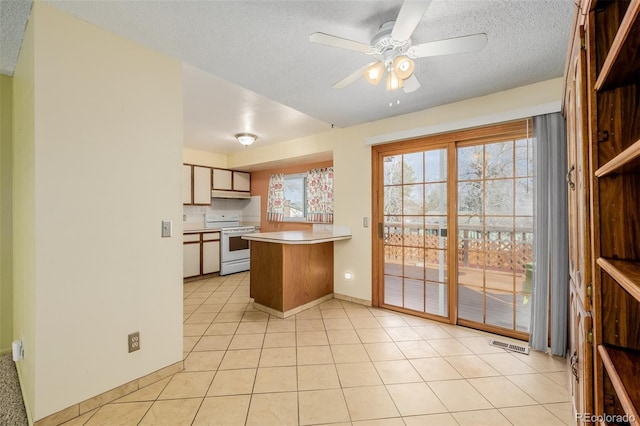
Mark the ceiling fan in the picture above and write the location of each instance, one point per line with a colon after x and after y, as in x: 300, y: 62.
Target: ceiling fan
x: 394, y: 52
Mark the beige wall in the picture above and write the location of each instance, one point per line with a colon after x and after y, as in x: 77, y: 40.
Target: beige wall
x: 100, y: 168
x: 204, y: 158
x: 6, y: 224
x: 24, y: 250
x: 352, y: 163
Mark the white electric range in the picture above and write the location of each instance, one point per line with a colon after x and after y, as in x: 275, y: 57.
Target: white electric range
x: 234, y: 251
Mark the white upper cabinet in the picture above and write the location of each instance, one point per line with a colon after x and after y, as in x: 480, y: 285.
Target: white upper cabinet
x: 187, y: 192
x: 241, y: 181
x: 201, y: 185
x: 222, y: 179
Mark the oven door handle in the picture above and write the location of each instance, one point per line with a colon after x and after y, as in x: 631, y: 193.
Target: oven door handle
x: 237, y: 232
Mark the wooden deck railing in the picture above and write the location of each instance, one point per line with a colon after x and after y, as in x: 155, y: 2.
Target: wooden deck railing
x: 496, y: 248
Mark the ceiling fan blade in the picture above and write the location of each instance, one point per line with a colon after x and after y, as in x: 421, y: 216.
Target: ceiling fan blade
x: 343, y: 43
x: 410, y: 15
x: 351, y: 77
x: 464, y: 44
x: 411, y: 84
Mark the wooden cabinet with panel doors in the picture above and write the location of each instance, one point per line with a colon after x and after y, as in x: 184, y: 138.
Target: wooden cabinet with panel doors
x: 609, y: 134
x: 580, y: 277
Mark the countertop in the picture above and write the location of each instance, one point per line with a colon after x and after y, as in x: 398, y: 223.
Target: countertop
x: 300, y: 237
x: 197, y: 231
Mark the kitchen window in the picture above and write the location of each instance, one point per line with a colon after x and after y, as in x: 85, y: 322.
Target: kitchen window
x: 303, y: 197
x: 295, y: 198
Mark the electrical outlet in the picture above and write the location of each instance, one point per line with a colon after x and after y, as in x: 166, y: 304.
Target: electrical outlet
x: 134, y: 341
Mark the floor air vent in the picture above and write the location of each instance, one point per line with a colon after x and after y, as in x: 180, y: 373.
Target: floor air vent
x: 510, y: 346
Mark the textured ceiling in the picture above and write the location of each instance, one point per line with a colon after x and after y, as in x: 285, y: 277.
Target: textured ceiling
x: 261, y: 49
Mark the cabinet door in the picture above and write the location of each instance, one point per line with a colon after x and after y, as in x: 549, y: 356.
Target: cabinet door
x: 222, y: 179
x: 187, y: 192
x: 190, y: 260
x: 210, y: 257
x: 578, y: 170
x: 201, y: 185
x: 580, y: 346
x: 241, y: 181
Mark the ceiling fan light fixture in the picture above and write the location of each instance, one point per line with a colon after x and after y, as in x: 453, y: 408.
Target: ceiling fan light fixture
x: 393, y: 82
x: 246, y: 139
x: 403, y: 67
x: 373, y: 74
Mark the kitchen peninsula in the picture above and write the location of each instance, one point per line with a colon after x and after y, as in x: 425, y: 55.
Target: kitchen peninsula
x: 292, y: 270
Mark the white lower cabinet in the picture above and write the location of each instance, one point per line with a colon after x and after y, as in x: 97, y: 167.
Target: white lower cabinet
x: 210, y: 252
x: 201, y: 254
x: 191, y: 260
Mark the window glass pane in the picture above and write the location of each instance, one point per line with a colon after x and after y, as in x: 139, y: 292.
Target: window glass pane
x: 524, y: 197
x: 435, y: 196
x: 393, y: 290
x: 414, y: 262
x: 470, y: 161
x: 523, y: 312
x: 393, y: 260
x: 436, y: 265
x: 414, y: 294
x: 437, y: 298
x: 436, y: 231
x: 436, y: 165
x: 392, y: 200
x: 499, y: 198
x: 471, y: 268
x: 470, y: 303
x: 499, y: 227
x: 413, y: 231
x: 413, y: 202
x: 499, y: 160
x: 392, y: 170
x: 294, y: 196
x: 470, y: 198
x: 524, y: 157
x: 412, y: 168
x: 500, y: 308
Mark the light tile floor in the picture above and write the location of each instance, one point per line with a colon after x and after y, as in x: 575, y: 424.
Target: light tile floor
x: 338, y: 363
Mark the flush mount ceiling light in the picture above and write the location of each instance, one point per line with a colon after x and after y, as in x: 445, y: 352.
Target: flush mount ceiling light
x: 246, y: 139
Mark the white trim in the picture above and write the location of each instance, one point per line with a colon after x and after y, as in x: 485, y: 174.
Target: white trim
x: 468, y: 123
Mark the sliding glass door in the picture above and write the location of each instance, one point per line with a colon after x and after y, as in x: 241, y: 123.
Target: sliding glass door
x: 455, y: 227
x: 495, y: 233
x: 415, y: 231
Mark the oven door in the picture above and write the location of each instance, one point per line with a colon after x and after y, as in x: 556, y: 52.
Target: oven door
x: 233, y: 246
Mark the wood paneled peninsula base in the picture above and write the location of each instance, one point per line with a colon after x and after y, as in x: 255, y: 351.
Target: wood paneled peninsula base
x: 292, y: 270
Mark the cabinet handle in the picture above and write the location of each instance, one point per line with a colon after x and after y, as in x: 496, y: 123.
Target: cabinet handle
x: 574, y: 366
x: 569, y: 180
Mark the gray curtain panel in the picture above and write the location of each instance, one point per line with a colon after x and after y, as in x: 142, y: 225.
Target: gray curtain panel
x: 550, y: 298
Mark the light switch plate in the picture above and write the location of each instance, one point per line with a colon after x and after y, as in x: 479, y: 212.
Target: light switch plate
x: 365, y: 222
x: 166, y: 228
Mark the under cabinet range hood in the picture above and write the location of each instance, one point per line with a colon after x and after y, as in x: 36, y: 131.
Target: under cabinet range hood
x: 217, y: 193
